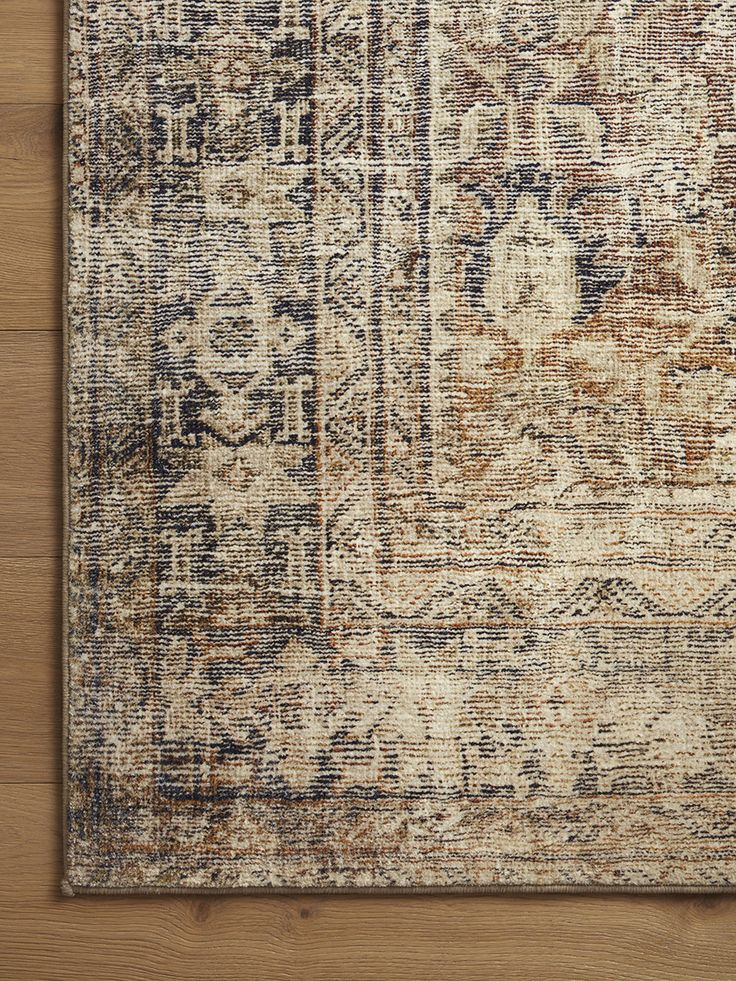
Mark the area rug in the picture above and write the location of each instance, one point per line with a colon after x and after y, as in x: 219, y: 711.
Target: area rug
x: 400, y: 445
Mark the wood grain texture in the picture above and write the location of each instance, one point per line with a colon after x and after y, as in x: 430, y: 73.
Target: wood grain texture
x: 30, y: 438
x: 30, y: 217
x: 337, y: 938
x: 30, y: 160
x: 30, y: 220
x: 30, y: 244
x: 30, y: 68
x: 30, y: 703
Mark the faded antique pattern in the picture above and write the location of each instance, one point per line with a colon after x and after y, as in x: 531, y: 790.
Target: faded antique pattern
x: 401, y: 397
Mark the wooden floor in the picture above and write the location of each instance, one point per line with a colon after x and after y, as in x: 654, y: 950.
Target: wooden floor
x: 43, y: 936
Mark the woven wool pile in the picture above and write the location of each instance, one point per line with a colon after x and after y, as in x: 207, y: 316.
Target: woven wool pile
x: 400, y: 444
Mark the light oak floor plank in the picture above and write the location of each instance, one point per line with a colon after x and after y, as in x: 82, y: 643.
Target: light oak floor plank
x: 30, y: 671
x: 30, y: 67
x: 30, y: 283
x: 30, y: 160
x: 30, y: 444
x: 30, y: 217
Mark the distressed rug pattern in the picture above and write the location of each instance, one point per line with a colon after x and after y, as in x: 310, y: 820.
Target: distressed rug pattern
x: 401, y: 388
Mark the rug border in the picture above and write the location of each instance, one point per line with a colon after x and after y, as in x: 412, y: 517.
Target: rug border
x: 70, y: 890
x: 65, y: 886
